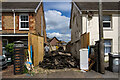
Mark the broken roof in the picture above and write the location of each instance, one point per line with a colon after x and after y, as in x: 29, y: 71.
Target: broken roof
x: 19, y: 6
x: 93, y: 6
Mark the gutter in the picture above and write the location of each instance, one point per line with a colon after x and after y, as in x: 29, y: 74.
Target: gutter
x: 103, y: 10
x: 38, y: 6
x: 14, y: 19
x: 86, y: 23
x: 17, y: 10
x: 13, y: 35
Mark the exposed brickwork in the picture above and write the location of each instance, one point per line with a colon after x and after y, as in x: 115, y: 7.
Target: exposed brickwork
x: 34, y: 23
x: 17, y: 21
x: 8, y: 21
x: 0, y: 45
x: 31, y: 21
x: 38, y: 22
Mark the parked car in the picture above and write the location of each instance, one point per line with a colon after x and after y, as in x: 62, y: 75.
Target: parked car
x: 3, y: 62
x: 6, y: 55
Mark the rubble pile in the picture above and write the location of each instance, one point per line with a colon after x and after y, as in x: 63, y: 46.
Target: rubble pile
x: 58, y: 61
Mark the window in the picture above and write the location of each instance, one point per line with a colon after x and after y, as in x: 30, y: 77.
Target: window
x: 4, y: 42
x: 0, y: 21
x: 107, y: 22
x: 24, y: 22
x: 108, y: 46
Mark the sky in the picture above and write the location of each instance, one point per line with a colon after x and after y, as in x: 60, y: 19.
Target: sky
x: 57, y: 16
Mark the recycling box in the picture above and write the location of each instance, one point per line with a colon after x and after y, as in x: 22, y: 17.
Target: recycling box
x: 114, y: 62
x: 18, y: 57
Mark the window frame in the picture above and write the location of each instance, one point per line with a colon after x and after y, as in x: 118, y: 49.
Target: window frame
x: 108, y: 45
x: 23, y: 21
x: 107, y: 22
x: 1, y: 21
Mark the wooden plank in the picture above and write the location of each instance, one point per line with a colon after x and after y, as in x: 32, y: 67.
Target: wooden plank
x: 35, y: 49
x: 37, y: 43
x: 84, y: 40
x: 29, y: 39
x: 40, y: 49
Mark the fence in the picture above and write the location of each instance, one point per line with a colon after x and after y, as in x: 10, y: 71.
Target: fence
x: 84, y: 40
x: 37, y: 43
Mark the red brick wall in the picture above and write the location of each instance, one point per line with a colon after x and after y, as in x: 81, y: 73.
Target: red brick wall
x: 8, y: 23
x: 53, y: 42
x: 38, y: 22
x: 0, y: 45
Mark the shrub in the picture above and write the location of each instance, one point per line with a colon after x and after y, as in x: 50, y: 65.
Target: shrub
x: 10, y: 48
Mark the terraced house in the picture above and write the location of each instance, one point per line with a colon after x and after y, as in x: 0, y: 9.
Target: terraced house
x: 17, y: 19
x: 85, y: 19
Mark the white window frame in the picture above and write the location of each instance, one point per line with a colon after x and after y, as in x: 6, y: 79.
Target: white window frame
x: 108, y: 22
x: 1, y: 21
x: 108, y: 45
x: 23, y: 21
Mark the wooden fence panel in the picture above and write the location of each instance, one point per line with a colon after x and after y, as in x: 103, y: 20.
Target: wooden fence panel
x: 37, y: 43
x: 84, y: 40
x: 40, y: 49
x: 35, y: 49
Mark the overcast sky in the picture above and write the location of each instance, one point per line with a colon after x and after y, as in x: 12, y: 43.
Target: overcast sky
x: 57, y: 16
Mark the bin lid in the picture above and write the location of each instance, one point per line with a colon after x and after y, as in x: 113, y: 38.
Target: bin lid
x: 115, y: 55
x: 84, y: 49
x: 18, y: 44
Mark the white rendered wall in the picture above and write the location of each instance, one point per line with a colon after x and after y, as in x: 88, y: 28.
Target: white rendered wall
x: 93, y: 28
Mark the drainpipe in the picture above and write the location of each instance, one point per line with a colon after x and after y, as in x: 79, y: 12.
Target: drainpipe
x: 14, y: 19
x: 86, y: 23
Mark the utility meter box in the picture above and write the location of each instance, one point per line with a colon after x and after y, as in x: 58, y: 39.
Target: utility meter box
x: 84, y: 59
x: 114, y: 62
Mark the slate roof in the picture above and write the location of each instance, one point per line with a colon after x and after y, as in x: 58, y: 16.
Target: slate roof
x: 94, y: 5
x: 19, y: 6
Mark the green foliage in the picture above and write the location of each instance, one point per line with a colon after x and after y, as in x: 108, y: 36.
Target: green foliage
x: 25, y: 70
x: 10, y: 48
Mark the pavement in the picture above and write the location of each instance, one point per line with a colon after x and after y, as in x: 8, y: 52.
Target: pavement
x: 77, y: 74
x: 63, y: 73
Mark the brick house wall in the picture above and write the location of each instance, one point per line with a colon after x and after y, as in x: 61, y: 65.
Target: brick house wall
x: 34, y: 22
x: 38, y: 22
x: 8, y: 23
x: 34, y: 25
x: 54, y: 42
x: 0, y: 45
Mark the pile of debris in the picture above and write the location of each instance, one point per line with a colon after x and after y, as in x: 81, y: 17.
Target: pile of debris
x: 58, y: 61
